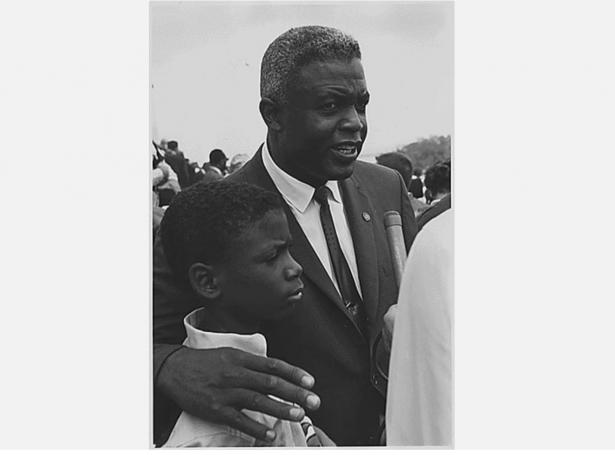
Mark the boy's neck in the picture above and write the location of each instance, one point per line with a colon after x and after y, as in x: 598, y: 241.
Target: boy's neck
x: 216, y: 318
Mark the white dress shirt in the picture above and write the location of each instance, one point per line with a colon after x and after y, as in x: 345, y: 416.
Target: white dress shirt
x: 420, y: 393
x: 300, y: 198
x: 190, y: 431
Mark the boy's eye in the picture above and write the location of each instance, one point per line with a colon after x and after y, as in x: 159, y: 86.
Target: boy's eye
x: 272, y: 257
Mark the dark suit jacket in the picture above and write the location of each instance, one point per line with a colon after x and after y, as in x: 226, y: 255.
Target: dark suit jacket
x: 318, y: 335
x: 434, y: 210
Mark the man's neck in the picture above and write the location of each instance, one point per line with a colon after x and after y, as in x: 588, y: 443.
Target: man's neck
x: 277, y: 155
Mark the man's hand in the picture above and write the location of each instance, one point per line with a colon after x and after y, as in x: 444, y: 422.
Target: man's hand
x: 216, y: 384
x: 387, y: 331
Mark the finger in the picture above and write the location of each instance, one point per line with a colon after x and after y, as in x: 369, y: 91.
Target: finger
x: 245, y: 424
x: 269, y: 384
x: 279, y: 368
x: 248, y: 399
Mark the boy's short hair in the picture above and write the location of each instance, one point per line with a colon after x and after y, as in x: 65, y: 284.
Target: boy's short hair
x: 203, y: 221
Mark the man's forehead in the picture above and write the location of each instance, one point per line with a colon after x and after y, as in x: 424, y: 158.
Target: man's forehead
x: 332, y: 74
x: 332, y: 66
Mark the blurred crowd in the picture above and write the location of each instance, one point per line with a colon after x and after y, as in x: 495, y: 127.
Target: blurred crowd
x: 429, y: 189
x: 173, y: 172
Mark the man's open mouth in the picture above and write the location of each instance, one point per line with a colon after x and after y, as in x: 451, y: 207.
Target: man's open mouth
x: 347, y: 149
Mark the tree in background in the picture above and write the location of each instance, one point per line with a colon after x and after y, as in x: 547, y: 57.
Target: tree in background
x: 426, y: 152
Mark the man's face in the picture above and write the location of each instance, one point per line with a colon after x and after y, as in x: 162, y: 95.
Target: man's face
x: 324, y: 124
x: 261, y: 280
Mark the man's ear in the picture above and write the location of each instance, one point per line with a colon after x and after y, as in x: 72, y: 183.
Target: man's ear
x: 203, y: 281
x: 270, y: 111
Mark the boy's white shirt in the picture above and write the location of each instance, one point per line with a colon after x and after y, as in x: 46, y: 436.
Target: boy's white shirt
x: 190, y: 431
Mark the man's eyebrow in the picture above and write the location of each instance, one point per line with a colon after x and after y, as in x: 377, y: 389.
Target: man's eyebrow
x: 328, y: 91
x: 343, y: 92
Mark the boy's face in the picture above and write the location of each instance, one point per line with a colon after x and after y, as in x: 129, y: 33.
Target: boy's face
x: 260, y: 280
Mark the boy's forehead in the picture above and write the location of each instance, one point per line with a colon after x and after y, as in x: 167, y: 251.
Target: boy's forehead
x: 270, y: 227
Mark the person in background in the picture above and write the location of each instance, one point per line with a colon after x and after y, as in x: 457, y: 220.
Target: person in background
x: 176, y: 159
x: 238, y: 161
x: 416, y: 184
x: 226, y: 262
x: 195, y: 172
x: 420, y: 396
x: 399, y: 162
x: 402, y: 164
x: 160, y: 176
x: 438, y: 184
x: 438, y: 181
x: 216, y: 168
x: 165, y: 184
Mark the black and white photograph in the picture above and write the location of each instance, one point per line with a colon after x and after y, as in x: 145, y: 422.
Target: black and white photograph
x: 359, y: 225
x: 303, y: 224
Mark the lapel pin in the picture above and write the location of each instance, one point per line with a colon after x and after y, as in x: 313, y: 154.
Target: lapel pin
x: 366, y: 216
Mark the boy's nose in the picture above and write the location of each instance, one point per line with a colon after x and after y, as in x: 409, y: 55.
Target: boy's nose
x: 294, y: 270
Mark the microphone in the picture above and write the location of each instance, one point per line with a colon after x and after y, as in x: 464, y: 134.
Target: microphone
x: 395, y: 239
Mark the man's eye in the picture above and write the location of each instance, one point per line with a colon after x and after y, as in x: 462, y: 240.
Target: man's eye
x: 331, y: 106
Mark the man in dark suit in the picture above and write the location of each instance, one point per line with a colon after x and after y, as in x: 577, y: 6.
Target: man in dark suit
x: 313, y: 100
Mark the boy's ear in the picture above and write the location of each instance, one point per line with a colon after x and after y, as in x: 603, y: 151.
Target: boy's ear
x: 270, y: 111
x: 203, y: 280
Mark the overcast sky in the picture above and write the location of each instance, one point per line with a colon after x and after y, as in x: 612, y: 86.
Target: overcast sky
x: 205, y: 66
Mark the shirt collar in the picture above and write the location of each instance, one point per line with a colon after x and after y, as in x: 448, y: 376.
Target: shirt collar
x: 295, y: 192
x: 199, y: 339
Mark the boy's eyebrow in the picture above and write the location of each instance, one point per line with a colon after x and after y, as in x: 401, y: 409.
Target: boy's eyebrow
x: 273, y: 245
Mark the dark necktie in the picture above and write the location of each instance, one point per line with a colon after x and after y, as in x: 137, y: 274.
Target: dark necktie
x: 348, y: 290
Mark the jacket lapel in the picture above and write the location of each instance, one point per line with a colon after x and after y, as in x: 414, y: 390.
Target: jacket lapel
x: 361, y: 216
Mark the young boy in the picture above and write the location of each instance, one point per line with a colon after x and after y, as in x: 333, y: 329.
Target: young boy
x: 229, y: 243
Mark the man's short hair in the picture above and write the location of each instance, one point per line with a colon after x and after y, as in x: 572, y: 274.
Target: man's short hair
x: 438, y: 178
x: 216, y: 156
x: 203, y: 222
x: 172, y: 145
x: 298, y: 47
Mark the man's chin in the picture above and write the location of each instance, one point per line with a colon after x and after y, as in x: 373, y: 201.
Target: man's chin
x: 341, y: 172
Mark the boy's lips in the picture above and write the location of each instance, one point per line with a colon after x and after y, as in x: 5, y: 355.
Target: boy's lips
x: 296, y: 295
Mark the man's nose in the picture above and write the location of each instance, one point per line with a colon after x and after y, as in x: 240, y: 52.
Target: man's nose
x: 352, y: 120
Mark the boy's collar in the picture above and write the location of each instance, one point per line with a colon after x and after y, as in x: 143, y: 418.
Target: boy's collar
x: 200, y: 339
